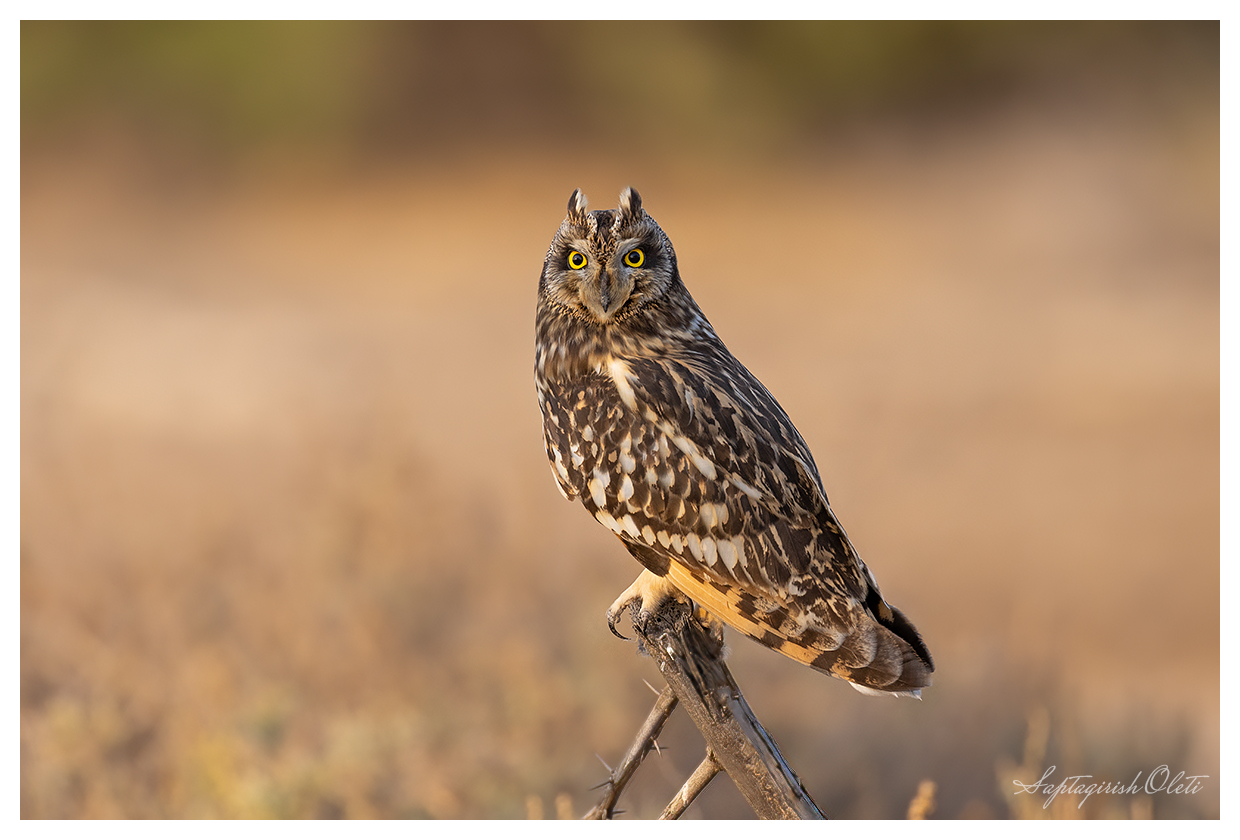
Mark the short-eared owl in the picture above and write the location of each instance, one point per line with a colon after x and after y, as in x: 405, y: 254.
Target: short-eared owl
x: 681, y: 452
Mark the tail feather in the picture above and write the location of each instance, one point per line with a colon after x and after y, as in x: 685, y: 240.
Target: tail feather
x: 882, y: 653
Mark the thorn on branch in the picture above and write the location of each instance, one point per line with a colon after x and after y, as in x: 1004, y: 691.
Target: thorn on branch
x: 663, y: 706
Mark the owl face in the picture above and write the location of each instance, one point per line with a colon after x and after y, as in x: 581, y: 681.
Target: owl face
x: 605, y: 266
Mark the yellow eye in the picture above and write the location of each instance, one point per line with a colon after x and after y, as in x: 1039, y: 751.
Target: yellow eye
x: 634, y: 258
x: 576, y: 260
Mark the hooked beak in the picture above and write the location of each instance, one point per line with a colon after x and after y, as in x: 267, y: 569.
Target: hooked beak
x: 604, y: 293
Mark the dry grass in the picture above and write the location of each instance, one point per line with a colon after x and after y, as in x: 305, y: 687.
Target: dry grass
x: 290, y: 547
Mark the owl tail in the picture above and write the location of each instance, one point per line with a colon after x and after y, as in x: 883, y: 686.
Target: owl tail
x: 882, y: 653
x: 874, y: 658
x: 897, y: 652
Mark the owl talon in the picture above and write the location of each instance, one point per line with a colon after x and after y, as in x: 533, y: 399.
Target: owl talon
x: 643, y: 599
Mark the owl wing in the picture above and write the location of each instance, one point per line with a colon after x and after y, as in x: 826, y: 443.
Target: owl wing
x: 699, y: 471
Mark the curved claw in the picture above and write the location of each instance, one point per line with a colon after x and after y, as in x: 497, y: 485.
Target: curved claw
x: 613, y: 615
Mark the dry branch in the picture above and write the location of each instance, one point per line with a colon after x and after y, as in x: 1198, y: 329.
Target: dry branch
x: 697, y: 782
x: 690, y: 656
x: 642, y: 745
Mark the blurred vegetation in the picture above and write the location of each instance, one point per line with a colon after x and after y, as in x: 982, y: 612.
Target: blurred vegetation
x: 289, y: 546
x: 366, y: 88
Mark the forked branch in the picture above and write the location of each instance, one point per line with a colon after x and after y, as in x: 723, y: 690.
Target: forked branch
x: 690, y: 657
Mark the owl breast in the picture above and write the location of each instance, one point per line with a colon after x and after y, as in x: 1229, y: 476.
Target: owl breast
x: 655, y: 488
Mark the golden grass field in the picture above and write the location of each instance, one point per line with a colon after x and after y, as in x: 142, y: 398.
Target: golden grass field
x: 290, y: 546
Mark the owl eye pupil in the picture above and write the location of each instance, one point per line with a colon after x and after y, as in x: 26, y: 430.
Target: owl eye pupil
x: 576, y: 260
x: 634, y: 258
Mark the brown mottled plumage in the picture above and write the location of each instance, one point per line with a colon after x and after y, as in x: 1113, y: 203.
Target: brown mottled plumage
x: 678, y: 449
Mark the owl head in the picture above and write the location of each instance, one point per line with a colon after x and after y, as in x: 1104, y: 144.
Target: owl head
x: 605, y: 266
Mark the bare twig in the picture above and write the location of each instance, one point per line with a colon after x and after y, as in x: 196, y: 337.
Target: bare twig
x: 697, y: 782
x: 642, y: 745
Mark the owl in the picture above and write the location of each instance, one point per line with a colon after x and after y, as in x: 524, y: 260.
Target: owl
x: 675, y: 447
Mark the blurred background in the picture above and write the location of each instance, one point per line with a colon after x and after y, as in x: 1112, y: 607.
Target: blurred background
x: 289, y: 543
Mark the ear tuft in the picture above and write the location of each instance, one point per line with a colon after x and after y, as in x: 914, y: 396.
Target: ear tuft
x: 577, y: 204
x: 630, y: 203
